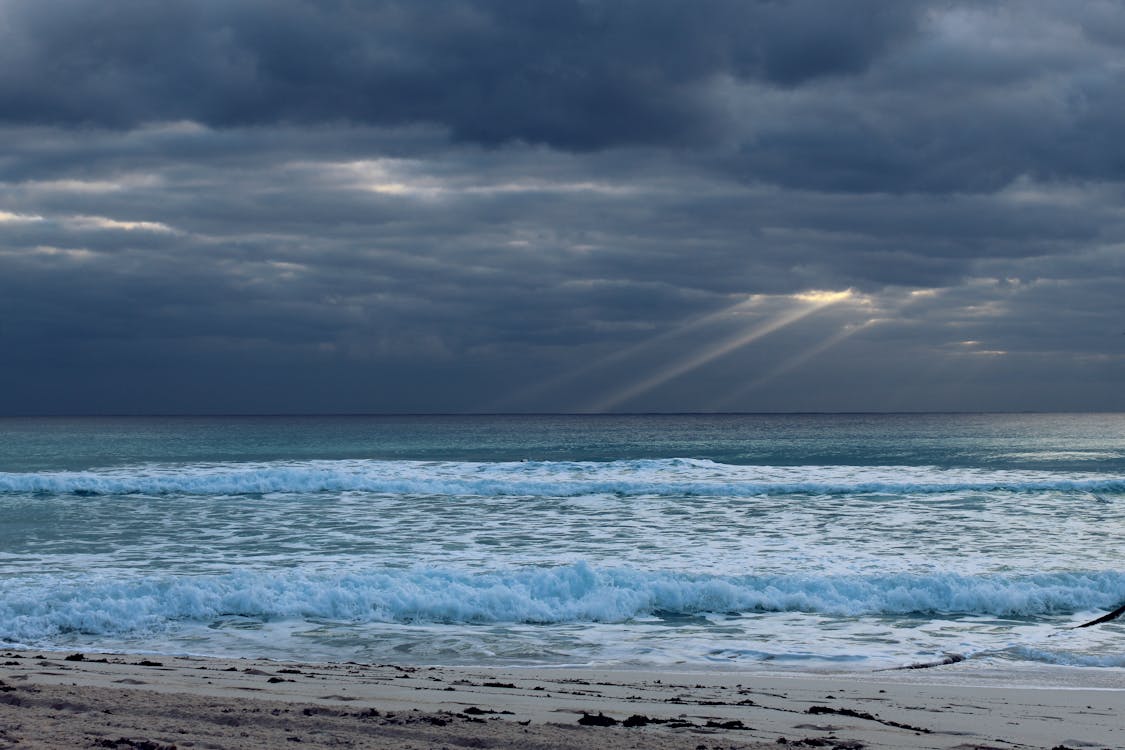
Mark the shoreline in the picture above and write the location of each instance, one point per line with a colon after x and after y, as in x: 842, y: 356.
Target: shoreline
x: 52, y: 699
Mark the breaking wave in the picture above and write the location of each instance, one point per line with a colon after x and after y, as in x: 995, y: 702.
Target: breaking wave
x: 663, y: 477
x: 535, y: 595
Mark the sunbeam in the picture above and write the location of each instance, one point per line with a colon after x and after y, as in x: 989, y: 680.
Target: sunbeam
x: 813, y: 301
x: 620, y: 355
x: 794, y: 362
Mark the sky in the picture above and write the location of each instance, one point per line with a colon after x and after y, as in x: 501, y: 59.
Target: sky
x: 299, y: 206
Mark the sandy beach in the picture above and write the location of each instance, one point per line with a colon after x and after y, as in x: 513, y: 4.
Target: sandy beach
x: 50, y: 700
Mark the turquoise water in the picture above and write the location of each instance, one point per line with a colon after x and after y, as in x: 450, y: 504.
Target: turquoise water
x: 805, y: 542
x: 1044, y: 441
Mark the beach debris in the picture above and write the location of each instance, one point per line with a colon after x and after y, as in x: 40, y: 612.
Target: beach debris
x: 949, y: 659
x: 1104, y: 618
x: 637, y: 720
x: 816, y: 710
x: 75, y: 657
x: 474, y: 711
x: 601, y: 720
x: 129, y: 744
x: 323, y: 711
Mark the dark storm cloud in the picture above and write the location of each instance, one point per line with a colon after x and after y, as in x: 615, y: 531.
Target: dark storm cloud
x: 467, y: 205
x: 572, y: 74
x: 862, y: 96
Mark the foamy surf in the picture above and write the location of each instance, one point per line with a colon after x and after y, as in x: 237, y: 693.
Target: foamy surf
x: 543, y: 602
x: 564, y: 594
x: 431, y: 540
x: 664, y: 477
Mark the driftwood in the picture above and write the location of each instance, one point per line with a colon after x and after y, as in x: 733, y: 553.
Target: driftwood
x: 949, y: 659
x: 954, y: 658
x: 1104, y: 618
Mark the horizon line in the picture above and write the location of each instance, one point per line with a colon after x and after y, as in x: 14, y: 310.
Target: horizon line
x: 846, y: 412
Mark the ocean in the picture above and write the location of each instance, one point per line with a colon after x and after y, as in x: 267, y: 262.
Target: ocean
x: 803, y: 543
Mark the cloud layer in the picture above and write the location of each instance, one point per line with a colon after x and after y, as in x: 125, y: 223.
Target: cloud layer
x: 483, y: 206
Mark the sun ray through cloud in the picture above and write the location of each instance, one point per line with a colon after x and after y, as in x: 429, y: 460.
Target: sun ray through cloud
x: 809, y: 303
x: 791, y: 363
x: 620, y: 355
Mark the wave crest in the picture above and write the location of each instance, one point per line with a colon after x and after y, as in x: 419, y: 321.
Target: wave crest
x: 564, y: 594
x: 663, y: 477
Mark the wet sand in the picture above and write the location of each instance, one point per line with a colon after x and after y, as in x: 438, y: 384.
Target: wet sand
x: 52, y: 700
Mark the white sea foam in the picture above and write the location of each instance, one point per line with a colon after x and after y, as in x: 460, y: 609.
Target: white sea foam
x: 1067, y: 658
x: 990, y: 552
x: 537, y: 595
x: 658, y: 477
x: 627, y: 561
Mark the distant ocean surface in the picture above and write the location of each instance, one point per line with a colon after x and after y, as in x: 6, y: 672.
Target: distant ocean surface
x: 783, y: 542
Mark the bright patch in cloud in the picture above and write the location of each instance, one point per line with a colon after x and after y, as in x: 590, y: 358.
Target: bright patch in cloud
x: 7, y: 217
x: 73, y: 253
x: 402, y: 177
x: 823, y: 297
x: 103, y: 222
x: 94, y: 187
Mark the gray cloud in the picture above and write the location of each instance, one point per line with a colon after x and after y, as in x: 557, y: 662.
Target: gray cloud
x: 322, y: 206
x: 570, y: 74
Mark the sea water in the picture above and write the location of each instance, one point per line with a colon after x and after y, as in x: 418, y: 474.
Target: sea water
x: 780, y: 542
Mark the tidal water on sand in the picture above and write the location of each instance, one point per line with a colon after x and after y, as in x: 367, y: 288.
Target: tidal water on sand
x: 781, y: 542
